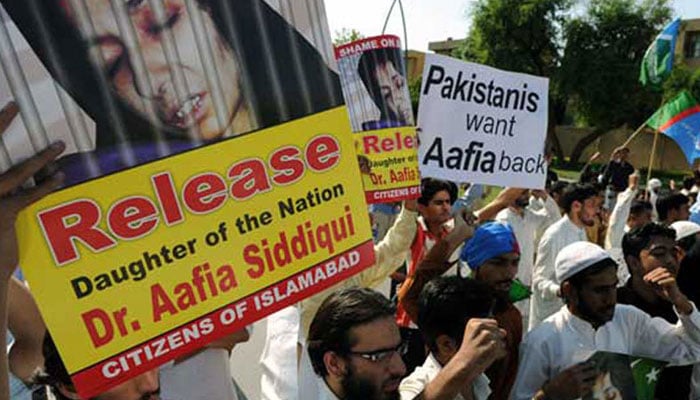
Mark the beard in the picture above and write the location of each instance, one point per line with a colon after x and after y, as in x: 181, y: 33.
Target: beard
x: 356, y: 387
x: 587, y: 313
x: 586, y: 221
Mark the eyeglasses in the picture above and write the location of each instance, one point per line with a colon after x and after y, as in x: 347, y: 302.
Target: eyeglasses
x: 382, y: 354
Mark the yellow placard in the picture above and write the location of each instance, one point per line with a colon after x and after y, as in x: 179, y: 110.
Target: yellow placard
x: 392, y: 159
x: 133, y: 269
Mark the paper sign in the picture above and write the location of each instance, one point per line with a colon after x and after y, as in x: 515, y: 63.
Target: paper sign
x: 482, y: 125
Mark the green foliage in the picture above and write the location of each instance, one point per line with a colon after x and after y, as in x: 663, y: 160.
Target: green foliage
x: 346, y: 35
x: 602, y: 57
x: 516, y: 35
x: 682, y: 78
x: 414, y: 90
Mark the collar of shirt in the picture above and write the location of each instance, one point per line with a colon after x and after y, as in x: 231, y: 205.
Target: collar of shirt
x: 570, y: 225
x: 325, y: 392
x: 480, y: 385
x: 579, y: 325
x: 446, y: 228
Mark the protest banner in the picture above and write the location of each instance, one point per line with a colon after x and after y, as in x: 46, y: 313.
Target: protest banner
x: 210, y: 183
x: 622, y: 377
x: 482, y: 125
x: 373, y: 81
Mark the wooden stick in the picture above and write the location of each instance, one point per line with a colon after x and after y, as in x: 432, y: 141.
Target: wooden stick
x: 641, y: 128
x: 651, y: 158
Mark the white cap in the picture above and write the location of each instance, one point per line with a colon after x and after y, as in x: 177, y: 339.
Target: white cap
x: 578, y: 256
x: 654, y: 183
x: 684, y: 229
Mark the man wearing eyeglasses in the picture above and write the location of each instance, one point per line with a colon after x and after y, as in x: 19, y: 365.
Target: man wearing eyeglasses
x: 355, y: 347
x: 646, y: 249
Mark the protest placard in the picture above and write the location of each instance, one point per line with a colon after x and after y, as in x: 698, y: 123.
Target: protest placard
x: 209, y: 183
x: 195, y: 246
x: 482, y: 125
x: 623, y: 377
x: 373, y: 81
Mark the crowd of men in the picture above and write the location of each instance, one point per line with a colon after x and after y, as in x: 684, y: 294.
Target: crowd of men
x: 504, y: 300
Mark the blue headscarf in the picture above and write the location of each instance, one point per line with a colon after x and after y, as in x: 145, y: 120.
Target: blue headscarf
x: 490, y: 240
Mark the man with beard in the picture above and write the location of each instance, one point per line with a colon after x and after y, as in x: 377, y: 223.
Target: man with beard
x: 493, y: 255
x: 647, y: 249
x: 463, y: 340
x: 355, y: 347
x: 580, y: 208
x: 526, y: 222
x: 553, y: 355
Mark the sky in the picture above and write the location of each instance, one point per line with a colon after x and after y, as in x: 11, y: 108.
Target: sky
x: 427, y: 20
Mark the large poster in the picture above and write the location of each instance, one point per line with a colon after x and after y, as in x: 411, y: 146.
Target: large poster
x: 212, y: 178
x: 374, y: 84
x: 482, y: 125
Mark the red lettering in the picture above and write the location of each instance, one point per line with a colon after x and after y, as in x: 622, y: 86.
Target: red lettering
x: 161, y: 303
x: 370, y: 143
x: 167, y: 198
x: 287, y: 165
x: 250, y: 255
x: 132, y: 217
x: 249, y: 178
x: 408, y: 141
x: 94, y: 320
x: 322, y: 153
x: 65, y: 224
x: 204, y: 193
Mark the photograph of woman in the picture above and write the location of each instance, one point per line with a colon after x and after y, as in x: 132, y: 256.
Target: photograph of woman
x: 161, y: 77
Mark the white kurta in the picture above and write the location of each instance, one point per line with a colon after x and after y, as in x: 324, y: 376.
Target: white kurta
x: 545, y: 301
x: 616, y: 230
x: 525, y: 228
x: 564, y: 340
x: 324, y: 392
x: 414, y: 384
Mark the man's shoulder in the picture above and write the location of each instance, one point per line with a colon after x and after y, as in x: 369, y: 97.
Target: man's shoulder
x: 554, y: 229
x: 546, y: 333
x: 629, y: 310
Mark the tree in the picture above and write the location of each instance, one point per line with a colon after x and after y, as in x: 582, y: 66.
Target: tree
x: 682, y: 78
x: 592, y: 60
x: 346, y: 35
x: 521, y: 36
x: 601, y: 61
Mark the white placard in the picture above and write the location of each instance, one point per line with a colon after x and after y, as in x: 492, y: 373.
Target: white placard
x: 482, y: 125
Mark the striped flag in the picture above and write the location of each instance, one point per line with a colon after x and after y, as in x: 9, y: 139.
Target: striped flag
x: 679, y: 119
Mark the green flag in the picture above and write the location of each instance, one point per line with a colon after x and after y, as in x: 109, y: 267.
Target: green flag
x: 646, y: 373
x: 665, y: 116
x: 658, y: 59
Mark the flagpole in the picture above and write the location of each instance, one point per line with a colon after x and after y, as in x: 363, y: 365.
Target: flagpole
x: 651, y: 158
x: 637, y: 132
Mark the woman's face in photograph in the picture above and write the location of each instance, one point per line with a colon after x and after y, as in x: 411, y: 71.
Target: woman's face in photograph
x: 158, y: 66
